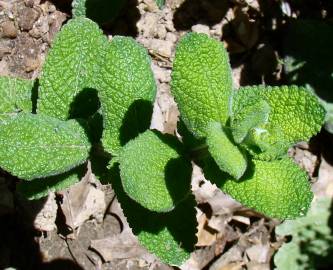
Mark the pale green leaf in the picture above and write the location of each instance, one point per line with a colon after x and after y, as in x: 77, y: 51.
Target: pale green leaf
x: 127, y: 90
x: 295, y: 115
x: 71, y: 68
x: 201, y: 82
x: 227, y: 155
x: 153, y: 172
x: 15, y: 96
x: 312, y: 240
x: 160, y: 3
x: 278, y: 189
x: 250, y: 117
x: 170, y: 236
x: 35, y: 146
x: 39, y: 188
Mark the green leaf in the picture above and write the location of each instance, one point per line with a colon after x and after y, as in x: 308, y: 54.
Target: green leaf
x: 278, y: 189
x: 250, y: 117
x: 100, y: 11
x: 35, y: 146
x: 295, y: 115
x: 15, y: 96
x: 160, y: 3
x: 170, y: 236
x: 312, y: 240
x: 227, y: 155
x: 71, y: 67
x: 201, y: 82
x: 127, y: 90
x: 153, y: 171
x: 39, y: 188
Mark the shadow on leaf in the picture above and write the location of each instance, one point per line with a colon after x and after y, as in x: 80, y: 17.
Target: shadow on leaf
x: 136, y: 120
x: 173, y: 231
x: 40, y: 188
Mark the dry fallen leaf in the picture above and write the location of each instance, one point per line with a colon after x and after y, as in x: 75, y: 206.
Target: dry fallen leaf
x: 206, y: 235
x: 45, y: 219
x: 122, y: 246
x: 83, y: 201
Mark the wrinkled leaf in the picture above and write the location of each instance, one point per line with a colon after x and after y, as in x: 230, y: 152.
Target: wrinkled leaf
x: 248, y: 118
x: 201, y: 82
x: 227, y: 155
x: 35, y: 146
x: 39, y: 188
x: 295, y: 115
x: 127, y: 89
x: 15, y: 96
x: 170, y: 236
x: 71, y: 69
x: 278, y: 189
x: 153, y: 172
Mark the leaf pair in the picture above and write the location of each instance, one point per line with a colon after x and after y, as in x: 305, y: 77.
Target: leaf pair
x: 70, y: 78
x: 241, y: 127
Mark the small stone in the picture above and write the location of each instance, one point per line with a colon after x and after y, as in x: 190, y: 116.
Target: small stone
x: 171, y: 37
x: 27, y: 18
x: 8, y: 29
x: 162, y: 47
x: 161, y: 31
x: 147, y: 24
x: 200, y: 28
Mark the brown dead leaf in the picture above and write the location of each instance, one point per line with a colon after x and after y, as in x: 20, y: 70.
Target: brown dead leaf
x: 199, y: 258
x: 83, y: 201
x: 259, y: 253
x: 122, y: 246
x: 45, y: 219
x: 324, y: 185
x: 206, y: 236
x: 232, y: 258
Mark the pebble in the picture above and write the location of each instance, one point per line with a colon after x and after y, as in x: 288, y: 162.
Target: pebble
x: 161, y: 31
x: 171, y: 37
x: 200, y: 28
x: 27, y: 18
x: 8, y: 29
x: 147, y: 24
x: 162, y: 47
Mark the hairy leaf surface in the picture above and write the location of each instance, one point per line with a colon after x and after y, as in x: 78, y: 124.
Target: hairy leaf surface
x: 127, y: 89
x: 201, y: 82
x: 15, y: 95
x: 278, y: 189
x: 39, y: 188
x: 250, y: 117
x: 71, y: 67
x: 170, y: 236
x: 227, y: 155
x: 35, y: 146
x: 153, y: 172
x: 295, y: 115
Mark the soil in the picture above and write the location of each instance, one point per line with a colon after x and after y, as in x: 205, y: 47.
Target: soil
x: 39, y: 235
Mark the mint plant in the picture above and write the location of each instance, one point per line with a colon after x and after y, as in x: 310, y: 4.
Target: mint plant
x: 95, y: 103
